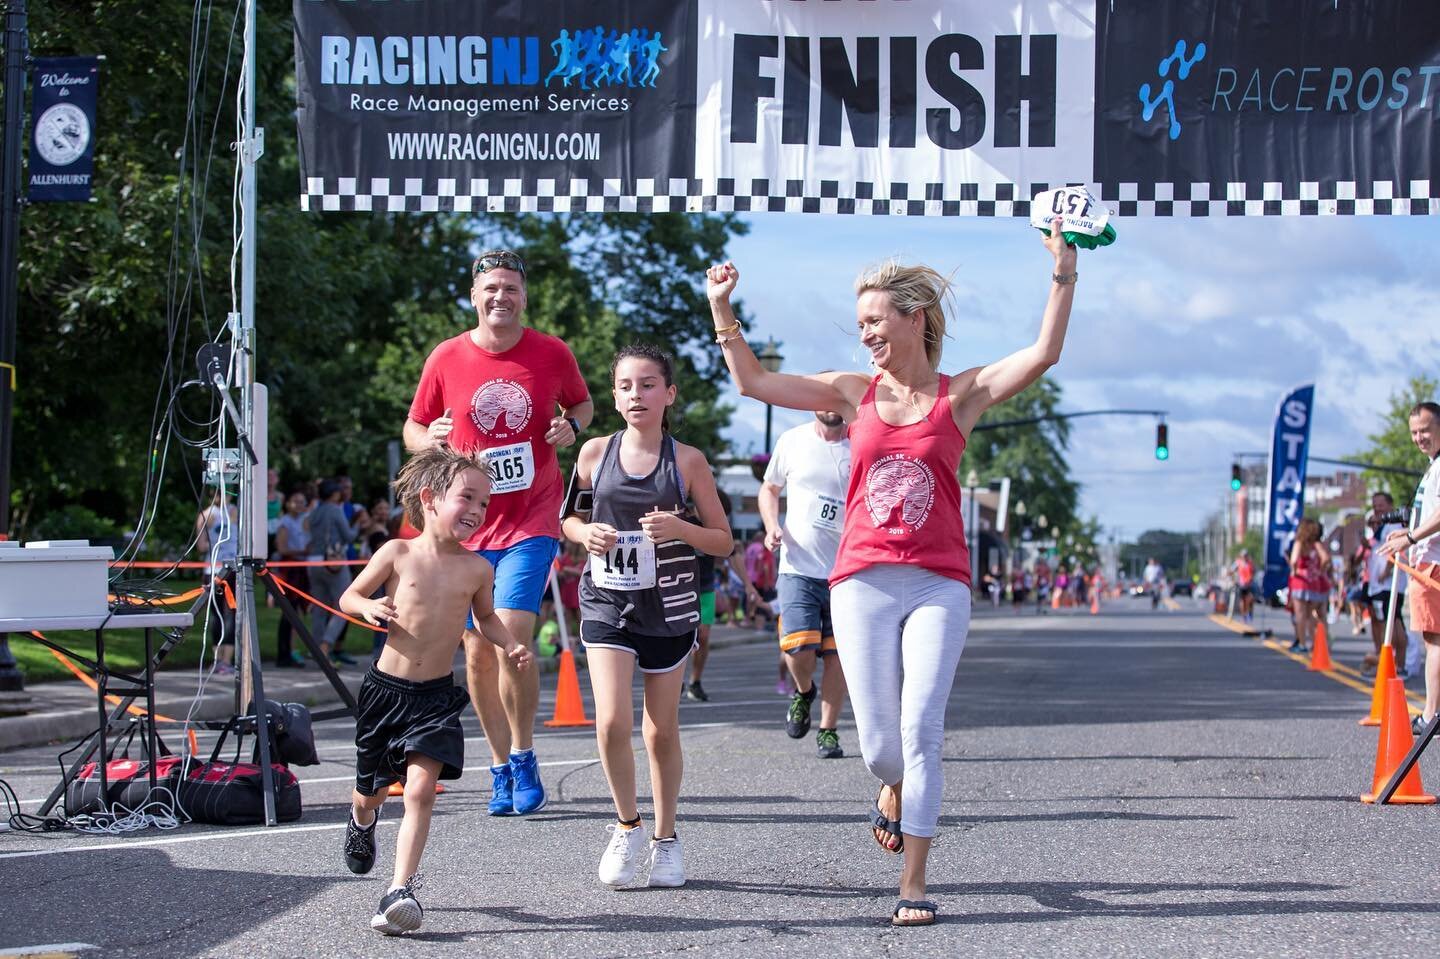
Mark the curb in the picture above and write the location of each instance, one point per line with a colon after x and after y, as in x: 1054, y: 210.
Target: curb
x: 64, y: 725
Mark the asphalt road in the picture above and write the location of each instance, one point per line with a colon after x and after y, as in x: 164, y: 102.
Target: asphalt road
x: 1133, y: 783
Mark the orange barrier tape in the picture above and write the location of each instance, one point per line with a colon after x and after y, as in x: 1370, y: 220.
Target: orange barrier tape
x: 229, y: 593
x: 291, y: 588
x: 1416, y: 574
x: 167, y: 601
x: 277, y: 563
x: 132, y: 709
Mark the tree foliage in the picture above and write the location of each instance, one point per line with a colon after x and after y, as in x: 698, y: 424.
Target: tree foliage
x: 1391, y: 445
x: 116, y: 295
x: 1032, y: 455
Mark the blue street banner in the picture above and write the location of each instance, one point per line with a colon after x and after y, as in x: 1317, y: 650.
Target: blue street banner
x: 62, y: 124
x: 1285, y: 499
x: 901, y: 107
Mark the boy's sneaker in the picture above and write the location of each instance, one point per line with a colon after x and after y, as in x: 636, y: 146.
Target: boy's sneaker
x: 622, y: 857
x: 502, y: 793
x: 827, y: 745
x: 529, y: 793
x: 667, y: 863
x: 797, y: 718
x: 696, y: 692
x: 360, y: 845
x: 399, y: 911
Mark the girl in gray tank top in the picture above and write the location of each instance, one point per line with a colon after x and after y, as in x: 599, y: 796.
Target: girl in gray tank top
x: 639, y: 598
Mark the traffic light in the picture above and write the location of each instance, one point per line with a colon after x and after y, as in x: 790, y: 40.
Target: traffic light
x: 1162, y: 442
x: 1236, y: 481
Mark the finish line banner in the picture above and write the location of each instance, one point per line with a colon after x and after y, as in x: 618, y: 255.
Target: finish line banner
x: 905, y: 107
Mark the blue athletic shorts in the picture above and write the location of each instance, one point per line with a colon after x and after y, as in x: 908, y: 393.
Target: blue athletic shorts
x: 521, y: 573
x: 805, y: 615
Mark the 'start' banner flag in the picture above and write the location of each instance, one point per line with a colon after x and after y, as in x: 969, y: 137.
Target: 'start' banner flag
x: 62, y: 128
x: 910, y: 107
x: 1285, y: 499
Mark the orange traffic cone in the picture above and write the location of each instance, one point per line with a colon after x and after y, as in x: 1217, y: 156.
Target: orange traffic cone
x: 398, y: 789
x: 1384, y: 672
x: 1094, y: 603
x: 569, y: 707
x: 1395, y: 741
x: 1054, y: 598
x: 1320, y: 651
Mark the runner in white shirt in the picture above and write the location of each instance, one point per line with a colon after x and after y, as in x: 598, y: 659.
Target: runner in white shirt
x: 812, y: 464
x: 1423, y: 546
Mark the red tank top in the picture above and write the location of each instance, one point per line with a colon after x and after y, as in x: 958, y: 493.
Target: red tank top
x: 903, y: 504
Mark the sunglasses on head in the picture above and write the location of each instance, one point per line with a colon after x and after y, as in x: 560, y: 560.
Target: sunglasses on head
x: 499, y: 260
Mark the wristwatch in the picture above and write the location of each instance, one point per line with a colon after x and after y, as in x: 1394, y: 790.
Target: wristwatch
x: 574, y: 424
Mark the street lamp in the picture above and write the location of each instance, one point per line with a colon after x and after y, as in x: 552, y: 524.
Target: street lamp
x: 770, y: 360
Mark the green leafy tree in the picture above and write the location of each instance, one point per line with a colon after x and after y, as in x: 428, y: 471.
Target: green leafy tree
x: 117, y: 295
x: 1391, y: 444
x: 1032, y: 455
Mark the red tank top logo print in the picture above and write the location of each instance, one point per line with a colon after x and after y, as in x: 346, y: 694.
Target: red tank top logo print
x: 903, y: 502
x: 903, y: 485
x: 501, y: 408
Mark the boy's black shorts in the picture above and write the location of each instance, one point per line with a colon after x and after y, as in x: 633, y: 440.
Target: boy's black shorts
x: 397, y: 716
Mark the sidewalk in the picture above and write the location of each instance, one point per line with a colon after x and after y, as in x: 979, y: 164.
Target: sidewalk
x: 64, y: 710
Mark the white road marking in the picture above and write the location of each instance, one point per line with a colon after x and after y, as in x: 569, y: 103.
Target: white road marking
x: 57, y: 947
x: 174, y: 840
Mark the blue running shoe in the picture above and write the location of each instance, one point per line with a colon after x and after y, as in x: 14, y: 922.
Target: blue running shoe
x: 529, y: 791
x: 502, y: 794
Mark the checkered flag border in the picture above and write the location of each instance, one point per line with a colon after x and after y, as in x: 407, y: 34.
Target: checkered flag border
x: 419, y: 195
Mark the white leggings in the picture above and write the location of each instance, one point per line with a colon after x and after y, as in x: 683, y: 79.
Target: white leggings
x: 887, y: 619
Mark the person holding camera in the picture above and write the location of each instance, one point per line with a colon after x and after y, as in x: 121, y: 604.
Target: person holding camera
x: 1422, y: 545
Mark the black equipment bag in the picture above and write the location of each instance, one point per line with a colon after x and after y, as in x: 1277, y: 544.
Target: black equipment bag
x: 128, y: 780
x: 292, y: 737
x: 231, y: 793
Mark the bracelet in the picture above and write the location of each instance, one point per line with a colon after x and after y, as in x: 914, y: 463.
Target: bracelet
x: 1065, y: 279
x: 1409, y: 537
x: 726, y: 330
x: 734, y: 334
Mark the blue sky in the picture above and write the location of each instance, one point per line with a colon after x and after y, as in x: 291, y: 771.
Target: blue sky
x: 1211, y: 319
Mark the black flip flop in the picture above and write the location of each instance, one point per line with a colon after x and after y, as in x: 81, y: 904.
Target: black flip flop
x: 878, y: 820
x: 921, y: 904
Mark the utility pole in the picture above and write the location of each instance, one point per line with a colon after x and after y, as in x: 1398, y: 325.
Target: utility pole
x: 16, y: 54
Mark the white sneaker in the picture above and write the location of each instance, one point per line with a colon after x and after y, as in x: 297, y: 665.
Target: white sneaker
x: 622, y: 857
x: 667, y: 863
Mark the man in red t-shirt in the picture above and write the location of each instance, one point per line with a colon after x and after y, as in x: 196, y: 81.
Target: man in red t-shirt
x: 511, y: 395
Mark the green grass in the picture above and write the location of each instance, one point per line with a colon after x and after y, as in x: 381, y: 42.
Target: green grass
x: 125, y: 648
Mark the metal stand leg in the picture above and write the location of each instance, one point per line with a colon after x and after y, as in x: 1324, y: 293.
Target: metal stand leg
x: 151, y: 736
x: 249, y: 679
x: 287, y: 609
x: 102, y: 683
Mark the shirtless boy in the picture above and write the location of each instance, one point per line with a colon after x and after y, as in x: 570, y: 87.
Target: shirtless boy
x: 408, y: 723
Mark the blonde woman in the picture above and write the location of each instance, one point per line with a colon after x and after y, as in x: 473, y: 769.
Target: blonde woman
x: 901, y: 581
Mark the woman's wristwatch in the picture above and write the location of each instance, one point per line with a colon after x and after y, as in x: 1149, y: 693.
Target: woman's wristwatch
x: 1410, y: 537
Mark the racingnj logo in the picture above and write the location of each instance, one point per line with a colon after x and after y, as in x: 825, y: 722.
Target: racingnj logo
x: 494, y: 146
